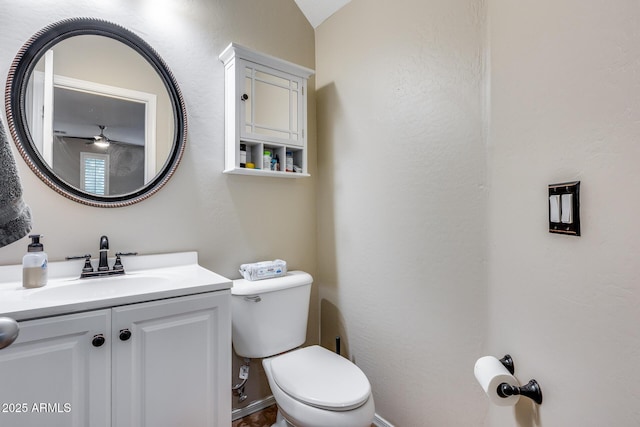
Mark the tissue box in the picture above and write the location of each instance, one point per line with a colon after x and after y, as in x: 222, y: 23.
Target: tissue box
x: 264, y: 270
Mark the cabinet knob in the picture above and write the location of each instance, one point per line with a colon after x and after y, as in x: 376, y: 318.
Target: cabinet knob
x: 244, y: 97
x: 98, y: 340
x: 125, y: 334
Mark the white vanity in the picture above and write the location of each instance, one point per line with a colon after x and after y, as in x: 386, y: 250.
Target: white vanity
x: 149, y: 348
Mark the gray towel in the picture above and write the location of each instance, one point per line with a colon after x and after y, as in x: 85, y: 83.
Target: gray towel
x: 15, y: 215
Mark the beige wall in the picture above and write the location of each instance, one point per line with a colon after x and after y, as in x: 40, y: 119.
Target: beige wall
x: 401, y: 202
x: 403, y: 255
x: 227, y: 219
x: 565, y: 103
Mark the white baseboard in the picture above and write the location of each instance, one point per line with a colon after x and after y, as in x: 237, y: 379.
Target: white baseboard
x: 378, y: 421
x: 256, y: 406
x: 259, y: 405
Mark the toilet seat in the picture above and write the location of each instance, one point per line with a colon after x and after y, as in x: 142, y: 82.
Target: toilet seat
x: 320, y: 378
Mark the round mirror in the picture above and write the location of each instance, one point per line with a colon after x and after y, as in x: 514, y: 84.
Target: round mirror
x: 95, y: 112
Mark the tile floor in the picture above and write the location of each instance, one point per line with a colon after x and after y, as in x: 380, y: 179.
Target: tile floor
x: 263, y: 418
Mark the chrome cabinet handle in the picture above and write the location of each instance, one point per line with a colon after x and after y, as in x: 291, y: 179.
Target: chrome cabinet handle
x: 255, y: 298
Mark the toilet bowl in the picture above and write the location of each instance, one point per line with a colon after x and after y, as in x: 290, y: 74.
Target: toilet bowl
x: 312, y: 386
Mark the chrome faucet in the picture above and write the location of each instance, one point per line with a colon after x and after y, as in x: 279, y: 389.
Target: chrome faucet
x: 103, y: 265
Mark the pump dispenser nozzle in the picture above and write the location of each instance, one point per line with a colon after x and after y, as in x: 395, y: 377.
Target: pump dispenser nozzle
x: 35, y: 245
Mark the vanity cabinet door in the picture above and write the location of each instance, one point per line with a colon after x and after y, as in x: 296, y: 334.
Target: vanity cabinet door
x: 172, y: 362
x: 58, y: 373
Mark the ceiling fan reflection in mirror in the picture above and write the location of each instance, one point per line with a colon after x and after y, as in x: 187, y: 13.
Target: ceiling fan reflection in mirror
x: 100, y: 140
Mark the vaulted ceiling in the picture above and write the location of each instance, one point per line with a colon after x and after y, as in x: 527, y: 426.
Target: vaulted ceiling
x: 317, y: 11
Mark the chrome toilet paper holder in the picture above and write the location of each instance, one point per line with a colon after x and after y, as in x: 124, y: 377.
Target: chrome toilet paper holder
x: 531, y: 389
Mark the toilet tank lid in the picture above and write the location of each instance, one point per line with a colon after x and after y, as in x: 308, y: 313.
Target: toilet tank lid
x: 290, y: 280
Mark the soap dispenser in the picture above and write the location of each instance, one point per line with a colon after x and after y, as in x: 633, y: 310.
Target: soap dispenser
x: 34, y: 264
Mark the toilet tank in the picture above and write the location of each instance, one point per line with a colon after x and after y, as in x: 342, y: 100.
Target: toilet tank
x: 270, y: 316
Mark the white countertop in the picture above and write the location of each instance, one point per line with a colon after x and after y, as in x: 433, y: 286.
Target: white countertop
x: 147, y: 277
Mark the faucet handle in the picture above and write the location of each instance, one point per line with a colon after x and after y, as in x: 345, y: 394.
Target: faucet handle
x: 119, y: 254
x: 117, y: 265
x: 88, y: 268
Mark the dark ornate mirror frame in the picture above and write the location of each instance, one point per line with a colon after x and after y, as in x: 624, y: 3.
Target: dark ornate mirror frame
x: 15, y: 90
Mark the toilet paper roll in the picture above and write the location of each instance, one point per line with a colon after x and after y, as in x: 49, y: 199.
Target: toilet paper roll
x: 490, y: 373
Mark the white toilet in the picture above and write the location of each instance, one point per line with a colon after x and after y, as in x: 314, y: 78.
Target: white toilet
x: 312, y: 386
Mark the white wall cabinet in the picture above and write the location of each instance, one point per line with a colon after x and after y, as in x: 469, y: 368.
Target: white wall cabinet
x: 160, y: 363
x: 265, y: 111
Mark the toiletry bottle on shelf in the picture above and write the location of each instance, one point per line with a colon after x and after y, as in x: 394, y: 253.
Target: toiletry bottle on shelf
x: 266, y: 160
x: 34, y: 264
x: 243, y: 155
x: 289, y: 166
